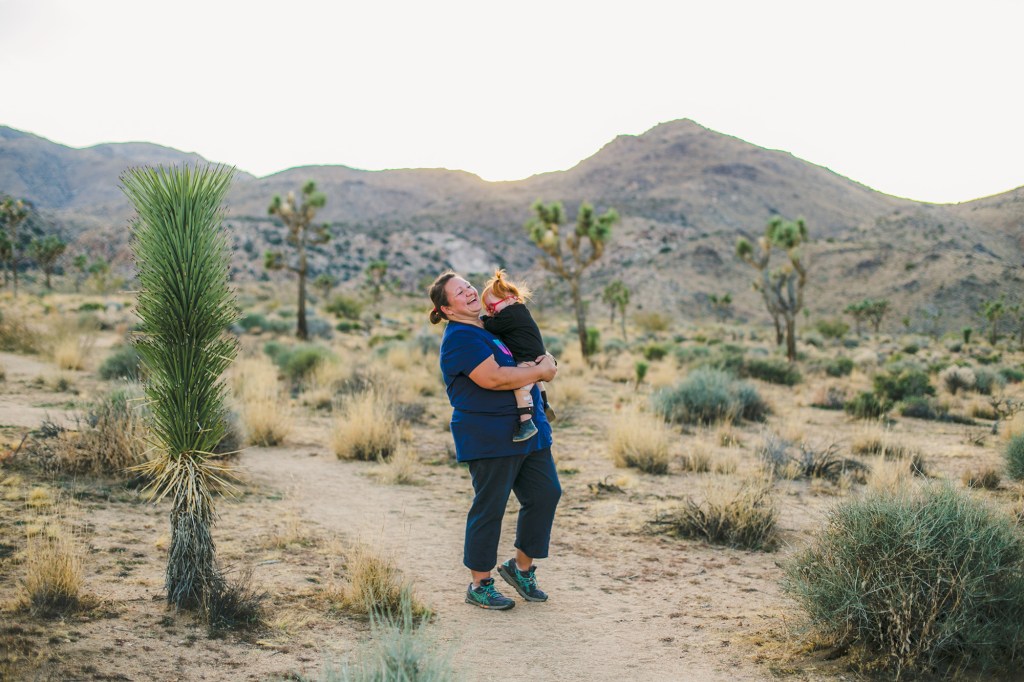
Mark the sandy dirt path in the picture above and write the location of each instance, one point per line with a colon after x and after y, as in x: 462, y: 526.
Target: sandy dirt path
x: 622, y: 607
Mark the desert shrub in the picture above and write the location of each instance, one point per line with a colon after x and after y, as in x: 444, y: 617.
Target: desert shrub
x: 745, y: 519
x: 235, y: 604
x: 1011, y: 375
x: 987, y: 358
x: 264, y: 410
x: 53, y: 571
x: 985, y: 380
x: 72, y: 340
x: 593, y: 340
x: 696, y: 459
x: 651, y: 322
x: 15, y: 333
x: 375, y: 586
x: 911, y: 349
x: 921, y: 408
x: 655, y: 351
x: 902, y: 383
x: 401, y: 649
x: 930, y: 580
x: 91, y: 307
x: 349, y: 326
x: 319, y: 328
x: 299, y: 361
x: 866, y: 405
x: 986, y: 478
x: 1014, y: 454
x: 554, y: 345
x: 832, y: 329
x: 774, y: 371
x: 687, y: 354
x: 367, y: 428
x: 640, y: 440
x: 257, y: 322
x: 400, y: 468
x: 829, y: 398
x: 785, y: 459
x: 709, y: 395
x: 956, y: 378
x: 612, y: 347
x: 122, y: 363
x: 839, y: 367
x: 728, y: 358
x: 346, y: 307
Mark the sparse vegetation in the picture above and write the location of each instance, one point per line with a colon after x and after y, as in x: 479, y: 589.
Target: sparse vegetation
x: 709, y: 395
x: 53, y: 570
x: 906, y: 577
x: 745, y: 519
x: 640, y: 440
x: 367, y: 428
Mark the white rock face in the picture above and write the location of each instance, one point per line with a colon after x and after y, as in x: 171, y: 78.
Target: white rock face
x: 466, y: 257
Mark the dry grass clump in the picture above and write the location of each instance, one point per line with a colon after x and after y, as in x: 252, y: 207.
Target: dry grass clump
x: 697, y: 459
x: 894, y: 475
x: 830, y: 397
x: 979, y: 408
x: 72, y: 341
x: 985, y: 477
x: 291, y: 532
x: 746, y: 518
x: 640, y: 440
x: 16, y: 334
x: 53, y: 570
x: 264, y: 407
x: 374, y: 586
x: 110, y: 439
x: 400, y: 469
x: 367, y: 428
x: 568, y: 395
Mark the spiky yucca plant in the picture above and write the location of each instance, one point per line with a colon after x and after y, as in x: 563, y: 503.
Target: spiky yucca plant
x: 185, y: 305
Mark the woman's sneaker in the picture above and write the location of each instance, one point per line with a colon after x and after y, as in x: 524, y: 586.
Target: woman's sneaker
x: 487, y: 596
x: 525, y: 582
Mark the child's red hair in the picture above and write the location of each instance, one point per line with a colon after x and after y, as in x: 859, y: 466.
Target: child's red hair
x: 501, y: 288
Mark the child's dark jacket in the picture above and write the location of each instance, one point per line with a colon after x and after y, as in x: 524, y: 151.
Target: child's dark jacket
x: 515, y: 325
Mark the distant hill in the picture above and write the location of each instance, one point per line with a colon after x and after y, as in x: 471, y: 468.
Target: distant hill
x: 685, y: 193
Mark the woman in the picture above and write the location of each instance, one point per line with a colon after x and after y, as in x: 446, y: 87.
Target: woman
x: 480, y: 375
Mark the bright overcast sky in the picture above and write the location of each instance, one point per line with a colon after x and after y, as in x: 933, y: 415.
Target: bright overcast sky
x: 920, y: 99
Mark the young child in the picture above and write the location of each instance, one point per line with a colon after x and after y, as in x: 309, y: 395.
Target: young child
x: 509, y: 319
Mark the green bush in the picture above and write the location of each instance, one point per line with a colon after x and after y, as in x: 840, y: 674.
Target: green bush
x: 920, y: 407
x: 554, y: 345
x: 867, y: 406
x: 985, y: 380
x: 257, y: 321
x: 298, y: 361
x: 1015, y: 457
x: 593, y: 342
x: 931, y: 581
x: 1012, y: 375
x: 839, y: 367
x: 345, y: 307
x: 687, y: 354
x: 832, y: 329
x: 774, y: 371
x: 708, y: 395
x: 900, y: 384
x: 655, y: 351
x: 91, y: 306
x: 348, y: 326
x: 122, y: 363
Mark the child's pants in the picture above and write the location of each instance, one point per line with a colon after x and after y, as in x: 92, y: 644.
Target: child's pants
x: 535, y: 482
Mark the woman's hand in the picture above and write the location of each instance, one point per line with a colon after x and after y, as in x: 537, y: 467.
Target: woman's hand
x: 546, y: 363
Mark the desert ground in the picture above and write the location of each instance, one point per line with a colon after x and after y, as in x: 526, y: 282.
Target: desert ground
x: 629, y: 599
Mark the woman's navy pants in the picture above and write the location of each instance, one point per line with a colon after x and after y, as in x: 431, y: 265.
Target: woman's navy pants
x: 534, y: 480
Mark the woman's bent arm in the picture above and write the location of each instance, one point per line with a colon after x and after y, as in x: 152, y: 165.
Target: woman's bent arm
x: 490, y: 375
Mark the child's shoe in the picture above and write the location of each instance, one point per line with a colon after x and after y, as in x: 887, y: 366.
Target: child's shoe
x: 549, y: 412
x: 525, y: 431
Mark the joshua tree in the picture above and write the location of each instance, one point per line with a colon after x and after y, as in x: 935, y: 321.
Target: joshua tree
x: 782, y: 289
x: 376, y: 274
x: 81, y: 265
x: 720, y: 304
x: 859, y: 312
x: 569, y: 257
x: 47, y: 251
x: 877, y: 309
x: 298, y: 219
x: 616, y: 296
x: 13, y: 212
x: 993, y: 311
x: 5, y: 255
x: 323, y: 283
x: 185, y: 305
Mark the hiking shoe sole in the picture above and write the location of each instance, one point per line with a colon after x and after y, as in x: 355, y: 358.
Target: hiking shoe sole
x: 474, y: 602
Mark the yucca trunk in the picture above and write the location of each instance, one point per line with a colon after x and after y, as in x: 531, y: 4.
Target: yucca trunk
x: 185, y: 306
